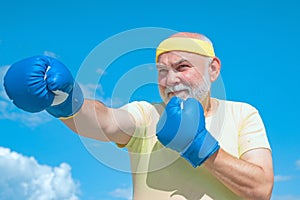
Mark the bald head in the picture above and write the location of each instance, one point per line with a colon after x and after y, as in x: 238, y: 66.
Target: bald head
x: 191, y: 35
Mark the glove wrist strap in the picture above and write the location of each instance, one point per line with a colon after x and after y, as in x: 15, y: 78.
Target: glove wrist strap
x: 70, y: 106
x: 203, y: 146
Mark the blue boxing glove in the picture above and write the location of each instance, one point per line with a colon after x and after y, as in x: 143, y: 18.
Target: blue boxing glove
x: 43, y: 83
x: 182, y: 128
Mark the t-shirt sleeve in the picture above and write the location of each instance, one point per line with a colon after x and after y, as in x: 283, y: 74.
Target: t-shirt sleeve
x: 252, y: 132
x: 143, y: 114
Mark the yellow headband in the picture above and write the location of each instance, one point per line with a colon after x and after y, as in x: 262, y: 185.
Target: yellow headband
x: 185, y: 44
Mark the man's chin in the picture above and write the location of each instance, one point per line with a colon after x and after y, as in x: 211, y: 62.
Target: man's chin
x: 169, y: 97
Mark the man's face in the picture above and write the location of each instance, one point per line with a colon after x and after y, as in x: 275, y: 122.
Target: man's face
x: 184, y: 75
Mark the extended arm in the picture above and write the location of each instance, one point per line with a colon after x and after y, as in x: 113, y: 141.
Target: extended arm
x: 44, y: 83
x: 250, y: 177
x: 96, y: 121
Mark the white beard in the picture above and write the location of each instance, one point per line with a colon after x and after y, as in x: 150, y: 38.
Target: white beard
x: 199, y: 92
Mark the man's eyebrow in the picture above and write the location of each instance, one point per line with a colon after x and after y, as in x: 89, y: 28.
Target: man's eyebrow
x: 159, y: 65
x: 179, y: 61
x: 173, y: 64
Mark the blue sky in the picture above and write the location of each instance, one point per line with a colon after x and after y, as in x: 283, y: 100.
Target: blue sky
x: 257, y: 42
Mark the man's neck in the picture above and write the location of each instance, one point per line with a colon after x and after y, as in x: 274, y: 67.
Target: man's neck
x: 209, y: 105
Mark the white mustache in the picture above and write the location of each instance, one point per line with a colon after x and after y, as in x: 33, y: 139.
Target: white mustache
x: 177, y: 88
x: 199, y: 93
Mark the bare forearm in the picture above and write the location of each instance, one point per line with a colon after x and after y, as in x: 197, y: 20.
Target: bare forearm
x: 85, y: 122
x: 246, y: 179
x: 99, y: 122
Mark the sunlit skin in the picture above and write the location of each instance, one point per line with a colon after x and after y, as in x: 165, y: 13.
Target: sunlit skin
x: 195, y: 72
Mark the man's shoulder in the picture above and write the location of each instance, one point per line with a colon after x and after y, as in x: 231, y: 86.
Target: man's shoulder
x: 137, y: 104
x: 142, y: 107
x: 235, y: 103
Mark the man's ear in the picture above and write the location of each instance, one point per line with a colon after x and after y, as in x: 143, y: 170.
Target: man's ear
x: 214, y: 69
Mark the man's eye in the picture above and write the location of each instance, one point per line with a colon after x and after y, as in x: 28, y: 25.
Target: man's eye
x: 182, y: 67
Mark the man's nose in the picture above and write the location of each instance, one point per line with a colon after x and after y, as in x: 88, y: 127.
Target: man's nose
x: 172, y: 78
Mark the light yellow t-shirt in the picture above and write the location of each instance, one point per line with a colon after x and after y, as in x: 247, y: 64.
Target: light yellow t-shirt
x: 161, y: 174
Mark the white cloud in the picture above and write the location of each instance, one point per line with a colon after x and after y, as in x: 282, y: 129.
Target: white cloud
x: 122, y: 193
x: 93, y: 91
x: 101, y: 71
x: 285, y: 197
x: 23, y: 177
x: 9, y: 111
x: 280, y: 178
x: 50, y: 54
